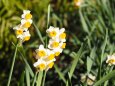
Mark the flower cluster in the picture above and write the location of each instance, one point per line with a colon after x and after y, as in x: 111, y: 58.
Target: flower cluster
x: 21, y: 30
x: 111, y: 59
x: 46, y: 56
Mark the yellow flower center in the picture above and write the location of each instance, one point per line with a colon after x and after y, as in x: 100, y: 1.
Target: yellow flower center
x: 77, y: 2
x: 63, y: 45
x: 57, y: 53
x: 52, y: 34
x: 111, y: 61
x: 51, y: 56
x: 42, y: 66
x: 41, y: 53
x: 50, y: 65
x: 63, y: 36
x: 27, y: 25
x: 55, y: 44
x: 26, y: 38
x: 28, y: 16
x: 18, y: 32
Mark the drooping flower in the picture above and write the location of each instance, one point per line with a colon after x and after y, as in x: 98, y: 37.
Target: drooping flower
x: 89, y: 79
x: 111, y: 59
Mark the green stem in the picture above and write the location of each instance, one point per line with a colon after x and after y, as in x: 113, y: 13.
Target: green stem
x: 44, y: 78
x: 10, y: 75
x: 34, y: 79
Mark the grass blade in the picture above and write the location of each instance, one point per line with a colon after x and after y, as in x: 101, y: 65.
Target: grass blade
x: 38, y: 33
x: 11, y: 71
x: 27, y: 77
x: 75, y: 61
x: 39, y: 79
x: 106, y: 77
x: 59, y: 73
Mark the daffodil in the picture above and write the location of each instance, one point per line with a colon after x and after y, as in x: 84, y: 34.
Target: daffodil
x: 111, y: 59
x: 40, y: 64
x: 89, y: 79
x: 52, y: 32
x: 26, y: 35
x: 26, y: 14
x: 53, y: 44
x: 78, y: 2
x: 62, y: 35
x: 41, y: 52
x: 26, y: 23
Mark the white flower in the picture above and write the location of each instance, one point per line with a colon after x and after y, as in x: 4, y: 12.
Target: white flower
x: 41, y: 64
x: 26, y: 23
x: 78, y: 2
x: 111, y: 59
x: 62, y: 35
x: 41, y: 52
x: 53, y: 32
x: 90, y: 79
x: 26, y: 15
x: 53, y: 44
x: 83, y: 78
x: 26, y: 36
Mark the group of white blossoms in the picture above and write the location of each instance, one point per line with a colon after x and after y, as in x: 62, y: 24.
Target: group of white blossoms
x: 46, y: 56
x: 21, y: 30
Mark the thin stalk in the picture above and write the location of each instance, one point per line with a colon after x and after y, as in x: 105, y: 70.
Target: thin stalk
x: 48, y: 18
x: 11, y: 70
x: 34, y: 79
x: 44, y: 78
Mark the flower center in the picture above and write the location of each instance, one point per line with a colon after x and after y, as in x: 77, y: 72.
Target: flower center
x: 62, y: 36
x: 57, y: 53
x: 18, y: 32
x: 27, y: 24
x: 28, y: 16
x: 52, y: 34
x: 51, y: 56
x: 42, y: 66
x: 41, y: 53
x: 50, y: 65
x: 55, y: 44
x: 63, y: 45
x: 111, y: 61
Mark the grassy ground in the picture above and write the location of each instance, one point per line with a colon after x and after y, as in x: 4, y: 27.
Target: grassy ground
x: 90, y: 32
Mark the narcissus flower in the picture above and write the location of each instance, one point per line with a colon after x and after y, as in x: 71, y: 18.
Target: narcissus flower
x: 89, y: 79
x: 41, y: 52
x: 78, y: 2
x: 26, y: 15
x: 52, y: 32
x: 111, y: 59
x: 26, y: 23
x: 46, y: 56
x: 21, y: 30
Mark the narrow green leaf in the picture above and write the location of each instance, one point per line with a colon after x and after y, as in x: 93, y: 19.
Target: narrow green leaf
x: 38, y: 33
x: 105, y: 78
x: 11, y: 70
x: 89, y: 64
x: 33, y: 84
x: 75, y: 61
x: 27, y: 77
x: 39, y: 79
x: 59, y: 73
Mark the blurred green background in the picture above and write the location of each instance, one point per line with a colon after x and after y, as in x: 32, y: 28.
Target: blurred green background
x: 92, y: 24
